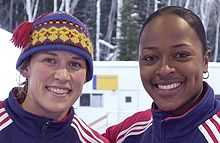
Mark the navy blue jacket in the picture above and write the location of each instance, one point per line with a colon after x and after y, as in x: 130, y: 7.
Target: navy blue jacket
x: 19, y: 126
x: 201, y: 124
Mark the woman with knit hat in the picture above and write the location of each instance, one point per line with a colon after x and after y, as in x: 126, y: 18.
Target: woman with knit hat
x: 56, y: 61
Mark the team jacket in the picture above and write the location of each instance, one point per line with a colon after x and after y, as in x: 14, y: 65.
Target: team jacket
x: 201, y: 124
x: 19, y: 126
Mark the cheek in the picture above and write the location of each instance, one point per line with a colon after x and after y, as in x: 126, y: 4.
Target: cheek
x: 37, y: 80
x: 79, y: 76
x: 39, y: 75
x: 146, y: 73
x: 195, y: 71
x: 196, y: 78
x: 146, y: 76
x: 78, y: 80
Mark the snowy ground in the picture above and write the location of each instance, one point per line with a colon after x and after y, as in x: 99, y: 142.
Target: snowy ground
x: 9, y: 77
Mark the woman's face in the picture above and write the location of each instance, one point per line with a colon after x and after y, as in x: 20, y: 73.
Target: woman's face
x: 55, y: 81
x: 171, y: 63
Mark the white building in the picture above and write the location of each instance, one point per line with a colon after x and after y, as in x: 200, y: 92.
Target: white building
x: 116, y: 92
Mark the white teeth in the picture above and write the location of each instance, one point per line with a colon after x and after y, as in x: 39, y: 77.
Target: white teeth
x: 169, y: 86
x: 58, y: 90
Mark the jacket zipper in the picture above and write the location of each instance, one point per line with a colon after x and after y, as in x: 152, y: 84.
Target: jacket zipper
x: 44, y: 131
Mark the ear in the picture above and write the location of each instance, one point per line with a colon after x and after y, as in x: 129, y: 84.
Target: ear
x: 25, y: 71
x: 205, y: 62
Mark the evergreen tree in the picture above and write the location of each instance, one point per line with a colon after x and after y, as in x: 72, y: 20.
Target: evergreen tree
x: 128, y: 40
x: 133, y: 15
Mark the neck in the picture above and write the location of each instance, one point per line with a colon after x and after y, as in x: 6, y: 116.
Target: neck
x: 190, y: 103
x: 42, y: 112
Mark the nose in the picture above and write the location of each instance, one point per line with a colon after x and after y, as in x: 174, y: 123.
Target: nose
x: 165, y: 68
x: 62, y: 75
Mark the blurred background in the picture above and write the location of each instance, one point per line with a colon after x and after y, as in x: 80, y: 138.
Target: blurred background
x: 114, y: 24
x: 115, y: 91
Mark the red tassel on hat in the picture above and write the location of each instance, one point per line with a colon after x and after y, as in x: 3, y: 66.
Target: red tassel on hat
x: 22, y: 34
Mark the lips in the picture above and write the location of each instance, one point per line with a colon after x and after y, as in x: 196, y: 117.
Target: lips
x: 60, y: 91
x: 168, y: 86
x: 171, y: 87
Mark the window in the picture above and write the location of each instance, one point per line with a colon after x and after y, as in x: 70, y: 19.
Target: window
x: 217, y: 96
x: 92, y: 100
x: 128, y: 99
x: 96, y: 100
x: 85, y: 100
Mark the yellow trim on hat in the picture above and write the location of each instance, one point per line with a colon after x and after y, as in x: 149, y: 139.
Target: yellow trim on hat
x: 63, y: 34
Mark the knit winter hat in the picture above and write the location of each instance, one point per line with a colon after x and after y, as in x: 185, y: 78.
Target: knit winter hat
x: 54, y: 31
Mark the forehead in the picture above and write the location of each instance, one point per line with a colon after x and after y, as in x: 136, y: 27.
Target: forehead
x: 168, y: 24
x: 59, y: 53
x: 168, y: 28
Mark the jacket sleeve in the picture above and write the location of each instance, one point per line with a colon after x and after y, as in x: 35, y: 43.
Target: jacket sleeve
x: 116, y: 132
x: 102, y: 138
x: 113, y: 131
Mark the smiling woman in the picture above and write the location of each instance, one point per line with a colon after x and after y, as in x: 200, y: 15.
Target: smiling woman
x: 173, y: 56
x: 177, y: 49
x: 56, y: 61
x: 58, y: 88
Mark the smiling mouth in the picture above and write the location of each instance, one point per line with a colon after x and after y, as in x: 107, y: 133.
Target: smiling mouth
x: 168, y: 86
x: 59, y: 91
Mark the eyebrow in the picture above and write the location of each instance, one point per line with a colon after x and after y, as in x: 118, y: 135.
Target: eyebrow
x: 50, y: 53
x: 150, y: 48
x: 181, y: 45
x: 75, y: 57
x: 174, y: 46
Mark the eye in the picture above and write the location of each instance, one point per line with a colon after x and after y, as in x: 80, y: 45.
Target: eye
x: 149, y: 59
x: 182, y: 56
x: 74, y: 65
x: 50, y: 61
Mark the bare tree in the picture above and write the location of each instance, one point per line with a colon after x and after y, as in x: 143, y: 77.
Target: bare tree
x: 11, y: 14
x: 111, y: 20
x: 169, y: 2
x: 205, y: 8
x: 66, y: 5
x: 216, y: 51
x: 31, y: 8
x: 187, y: 3
x: 62, y: 5
x: 55, y: 4
x: 73, y: 6
x: 217, y: 40
x: 174, y: 2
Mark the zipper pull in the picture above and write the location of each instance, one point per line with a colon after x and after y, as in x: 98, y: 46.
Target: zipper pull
x: 44, y: 128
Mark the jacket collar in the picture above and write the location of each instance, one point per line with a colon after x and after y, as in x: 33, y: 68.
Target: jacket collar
x: 33, y: 124
x: 180, y: 125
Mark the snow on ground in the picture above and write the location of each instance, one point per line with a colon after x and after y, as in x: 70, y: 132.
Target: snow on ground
x: 8, y: 57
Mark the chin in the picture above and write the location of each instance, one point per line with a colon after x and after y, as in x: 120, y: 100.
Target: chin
x: 57, y: 108
x: 168, y: 108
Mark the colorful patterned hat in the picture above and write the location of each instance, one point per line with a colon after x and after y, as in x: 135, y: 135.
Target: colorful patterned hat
x: 54, y: 31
